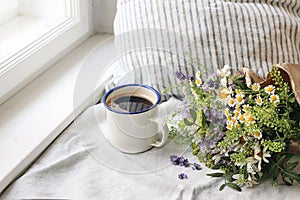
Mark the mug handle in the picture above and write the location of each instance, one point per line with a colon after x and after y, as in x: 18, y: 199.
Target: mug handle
x: 164, y: 132
x: 165, y: 110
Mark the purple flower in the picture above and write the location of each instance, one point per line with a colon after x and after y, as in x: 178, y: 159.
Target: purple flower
x: 173, y: 159
x: 181, y: 161
x: 214, y: 115
x: 182, y: 176
x: 231, y: 86
x: 180, y: 75
x: 212, y: 84
x: 191, y: 78
x: 196, y: 166
x: 186, y: 109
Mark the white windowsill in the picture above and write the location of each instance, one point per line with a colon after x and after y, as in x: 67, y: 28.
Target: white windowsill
x: 35, y: 116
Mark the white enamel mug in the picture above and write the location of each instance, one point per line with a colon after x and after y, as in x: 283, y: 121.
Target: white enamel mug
x: 134, y: 130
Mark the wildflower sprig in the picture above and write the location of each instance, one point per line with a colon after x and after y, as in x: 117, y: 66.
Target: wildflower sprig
x: 242, y: 129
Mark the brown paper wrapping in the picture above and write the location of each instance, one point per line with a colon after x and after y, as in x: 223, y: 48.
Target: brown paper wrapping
x: 291, y: 74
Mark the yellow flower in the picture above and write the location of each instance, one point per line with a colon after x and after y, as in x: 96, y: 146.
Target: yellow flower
x: 238, y: 108
x: 229, y: 126
x: 231, y: 102
x: 256, y: 87
x: 249, y: 119
x: 228, y: 117
x: 198, y: 82
x: 239, y: 99
x: 236, y: 113
x: 270, y: 89
x: 198, y: 74
x: 259, y: 100
x: 241, y: 118
x: 274, y: 99
x: 227, y: 112
x: 234, y: 121
x: 257, y: 135
x: 240, y: 92
x: 246, y: 107
x: 224, y: 93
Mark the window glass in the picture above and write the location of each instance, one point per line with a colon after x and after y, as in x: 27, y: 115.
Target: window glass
x: 23, y: 21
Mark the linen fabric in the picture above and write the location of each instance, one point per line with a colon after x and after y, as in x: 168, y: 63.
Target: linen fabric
x: 156, y: 38
x: 71, y: 169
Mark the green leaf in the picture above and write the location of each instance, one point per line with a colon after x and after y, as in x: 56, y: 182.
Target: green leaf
x: 187, y: 122
x: 228, y: 177
x: 240, y: 84
x: 222, y: 187
x: 275, y: 174
x: 234, y: 186
x: 274, y: 171
x: 291, y: 166
x: 291, y: 175
x: 203, y: 120
x: 216, y: 174
x: 245, y: 174
x: 193, y: 115
x: 225, y: 158
x: 287, y: 183
x: 281, y: 159
x: 218, y: 166
x: 294, y: 158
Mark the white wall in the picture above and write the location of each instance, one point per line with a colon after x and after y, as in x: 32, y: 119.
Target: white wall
x: 104, y: 13
x: 8, y: 9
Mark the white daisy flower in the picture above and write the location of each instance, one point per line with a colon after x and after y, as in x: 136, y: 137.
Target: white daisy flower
x: 224, y: 93
x: 257, y: 134
x: 237, y: 113
x: 198, y: 74
x: 261, y: 155
x: 239, y: 179
x: 239, y: 99
x: 240, y: 92
x: 198, y: 82
x: 223, y: 82
x: 274, y: 98
x: 270, y: 89
x: 229, y: 125
x: 231, y: 102
x: 259, y: 100
x: 227, y: 112
x: 251, y: 181
x: 225, y: 71
x: 216, y: 158
x: 246, y: 108
x: 234, y: 121
x: 251, y: 166
x: 255, y: 87
x: 241, y: 118
x: 249, y: 119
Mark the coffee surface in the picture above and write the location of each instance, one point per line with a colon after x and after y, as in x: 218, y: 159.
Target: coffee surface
x: 130, y: 104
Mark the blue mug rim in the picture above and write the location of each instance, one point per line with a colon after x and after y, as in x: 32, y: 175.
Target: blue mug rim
x: 126, y: 85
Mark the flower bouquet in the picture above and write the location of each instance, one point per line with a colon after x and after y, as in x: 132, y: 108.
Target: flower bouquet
x: 239, y: 127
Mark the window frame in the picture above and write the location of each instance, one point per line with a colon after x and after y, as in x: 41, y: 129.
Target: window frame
x: 26, y: 64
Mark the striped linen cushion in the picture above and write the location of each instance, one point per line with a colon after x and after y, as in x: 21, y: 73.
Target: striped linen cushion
x: 155, y: 38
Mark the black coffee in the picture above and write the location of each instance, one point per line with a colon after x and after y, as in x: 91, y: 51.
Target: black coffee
x: 130, y: 104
